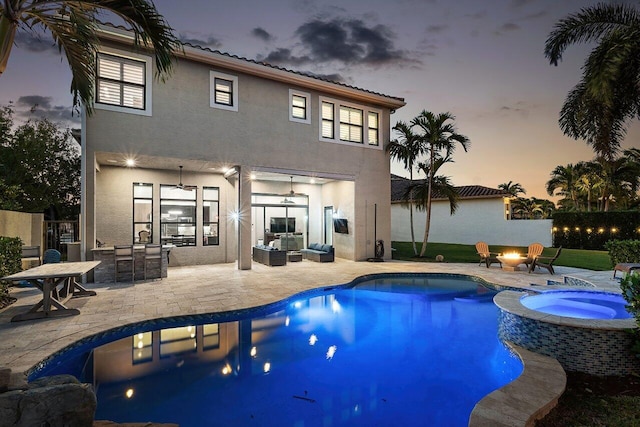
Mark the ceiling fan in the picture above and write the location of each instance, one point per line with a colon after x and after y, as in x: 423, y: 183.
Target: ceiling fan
x: 182, y: 186
x: 291, y: 194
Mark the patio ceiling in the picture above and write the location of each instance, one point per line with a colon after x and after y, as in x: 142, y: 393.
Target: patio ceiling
x: 204, y: 166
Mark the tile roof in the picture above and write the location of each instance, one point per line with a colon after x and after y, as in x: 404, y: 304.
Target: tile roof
x: 265, y: 64
x: 400, y: 184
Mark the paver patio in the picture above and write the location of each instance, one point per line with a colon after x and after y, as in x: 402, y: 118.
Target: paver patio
x: 213, y: 288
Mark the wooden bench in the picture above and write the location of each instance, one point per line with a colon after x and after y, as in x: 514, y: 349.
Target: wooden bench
x: 625, y: 267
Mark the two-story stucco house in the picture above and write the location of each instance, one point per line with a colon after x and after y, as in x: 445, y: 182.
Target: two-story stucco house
x: 266, y: 153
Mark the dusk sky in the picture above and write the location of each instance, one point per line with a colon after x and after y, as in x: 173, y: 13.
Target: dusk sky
x: 482, y: 61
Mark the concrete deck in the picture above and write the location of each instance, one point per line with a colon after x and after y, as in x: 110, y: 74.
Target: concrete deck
x: 204, y: 289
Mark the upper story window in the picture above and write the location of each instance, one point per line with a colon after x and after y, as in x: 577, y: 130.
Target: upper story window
x: 373, y: 127
x: 345, y: 123
x: 299, y: 106
x: 123, y: 82
x: 223, y: 91
x: 351, y: 124
x: 328, y: 121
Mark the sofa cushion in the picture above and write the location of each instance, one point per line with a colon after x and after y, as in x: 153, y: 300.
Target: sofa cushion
x: 313, y: 246
x: 325, y: 248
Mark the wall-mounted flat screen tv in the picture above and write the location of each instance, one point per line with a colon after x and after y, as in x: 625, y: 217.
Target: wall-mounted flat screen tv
x: 340, y: 225
x: 282, y: 225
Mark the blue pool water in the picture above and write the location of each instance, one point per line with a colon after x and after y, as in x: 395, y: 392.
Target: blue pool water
x: 579, y: 304
x: 410, y: 350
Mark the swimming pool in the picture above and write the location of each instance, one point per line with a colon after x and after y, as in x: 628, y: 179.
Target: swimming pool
x: 579, y: 304
x: 384, y: 350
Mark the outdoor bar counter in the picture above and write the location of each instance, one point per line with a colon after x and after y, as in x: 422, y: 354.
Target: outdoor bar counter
x: 105, y: 271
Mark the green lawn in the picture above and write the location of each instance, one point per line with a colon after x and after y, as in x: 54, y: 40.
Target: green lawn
x: 579, y: 258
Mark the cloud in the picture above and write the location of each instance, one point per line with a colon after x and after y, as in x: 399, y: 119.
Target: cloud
x: 506, y: 27
x: 285, y: 56
x: 521, y: 3
x: 520, y: 108
x: 350, y: 42
x: 41, y: 107
x: 262, y: 34
x: 35, y: 42
x: 435, y: 29
x: 207, y: 41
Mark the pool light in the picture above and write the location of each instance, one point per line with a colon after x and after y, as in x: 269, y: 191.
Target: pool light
x: 129, y: 393
x: 313, y: 339
x: 331, y: 352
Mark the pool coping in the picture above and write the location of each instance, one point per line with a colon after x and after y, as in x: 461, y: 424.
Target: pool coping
x: 526, y: 399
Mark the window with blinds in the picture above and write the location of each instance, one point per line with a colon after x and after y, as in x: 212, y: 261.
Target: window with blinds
x: 121, y: 82
x: 351, y: 120
x: 223, y: 91
x: 328, y: 121
x: 373, y: 127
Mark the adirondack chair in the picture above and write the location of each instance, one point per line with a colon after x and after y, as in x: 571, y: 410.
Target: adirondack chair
x: 545, y: 262
x: 534, y: 251
x: 486, y: 256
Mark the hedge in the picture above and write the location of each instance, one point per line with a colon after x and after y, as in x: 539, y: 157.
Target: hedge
x: 624, y: 251
x: 10, y: 260
x: 592, y: 230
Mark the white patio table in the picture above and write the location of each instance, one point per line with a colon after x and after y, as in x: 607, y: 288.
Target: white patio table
x: 57, y: 283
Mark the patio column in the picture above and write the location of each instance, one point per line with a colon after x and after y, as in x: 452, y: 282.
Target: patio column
x: 244, y: 218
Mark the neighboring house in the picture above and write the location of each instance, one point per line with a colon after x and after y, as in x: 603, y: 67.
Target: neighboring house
x: 483, y: 214
x: 266, y: 152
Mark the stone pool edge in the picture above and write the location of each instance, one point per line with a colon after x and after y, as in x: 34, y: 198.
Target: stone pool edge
x: 526, y: 399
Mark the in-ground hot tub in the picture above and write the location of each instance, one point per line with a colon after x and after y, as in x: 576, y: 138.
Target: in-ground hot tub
x: 579, y: 304
x: 578, y: 328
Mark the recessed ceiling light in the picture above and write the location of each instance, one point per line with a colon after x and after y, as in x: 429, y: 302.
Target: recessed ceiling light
x: 130, y: 163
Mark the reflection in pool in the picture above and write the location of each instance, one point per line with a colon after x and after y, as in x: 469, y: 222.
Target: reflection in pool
x: 397, y: 350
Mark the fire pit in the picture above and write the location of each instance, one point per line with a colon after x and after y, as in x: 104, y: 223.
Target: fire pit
x: 511, y: 261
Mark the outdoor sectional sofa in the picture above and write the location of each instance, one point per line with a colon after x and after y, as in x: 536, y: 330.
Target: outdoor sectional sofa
x: 318, y: 252
x: 268, y: 255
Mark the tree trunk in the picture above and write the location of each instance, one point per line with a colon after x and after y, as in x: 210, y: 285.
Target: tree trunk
x: 413, y: 237
x: 428, y: 221
x: 7, y: 35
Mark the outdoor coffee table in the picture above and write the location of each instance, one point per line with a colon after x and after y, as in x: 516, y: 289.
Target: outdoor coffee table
x: 294, y: 256
x: 58, y: 285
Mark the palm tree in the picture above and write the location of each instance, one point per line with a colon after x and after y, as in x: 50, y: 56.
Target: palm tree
x: 74, y: 27
x: 406, y: 149
x: 589, y: 180
x: 619, y: 181
x: 528, y: 208
x: 512, y: 188
x: 608, y: 96
x: 564, y: 179
x: 437, y: 134
x: 441, y: 185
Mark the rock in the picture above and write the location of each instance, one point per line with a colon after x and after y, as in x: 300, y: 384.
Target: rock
x: 5, y: 379
x: 18, y: 381
x: 61, y: 404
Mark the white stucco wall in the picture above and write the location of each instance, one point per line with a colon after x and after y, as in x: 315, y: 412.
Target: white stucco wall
x: 475, y: 220
x: 27, y: 226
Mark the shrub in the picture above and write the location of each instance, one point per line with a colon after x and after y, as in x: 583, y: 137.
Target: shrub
x: 623, y: 250
x: 10, y: 261
x: 630, y: 286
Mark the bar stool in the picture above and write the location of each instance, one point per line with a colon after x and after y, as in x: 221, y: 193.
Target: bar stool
x: 153, y: 252
x: 123, y: 253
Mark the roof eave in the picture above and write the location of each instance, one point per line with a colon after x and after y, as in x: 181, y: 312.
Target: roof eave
x: 242, y: 65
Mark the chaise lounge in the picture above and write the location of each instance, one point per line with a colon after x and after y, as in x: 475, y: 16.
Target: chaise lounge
x: 318, y: 252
